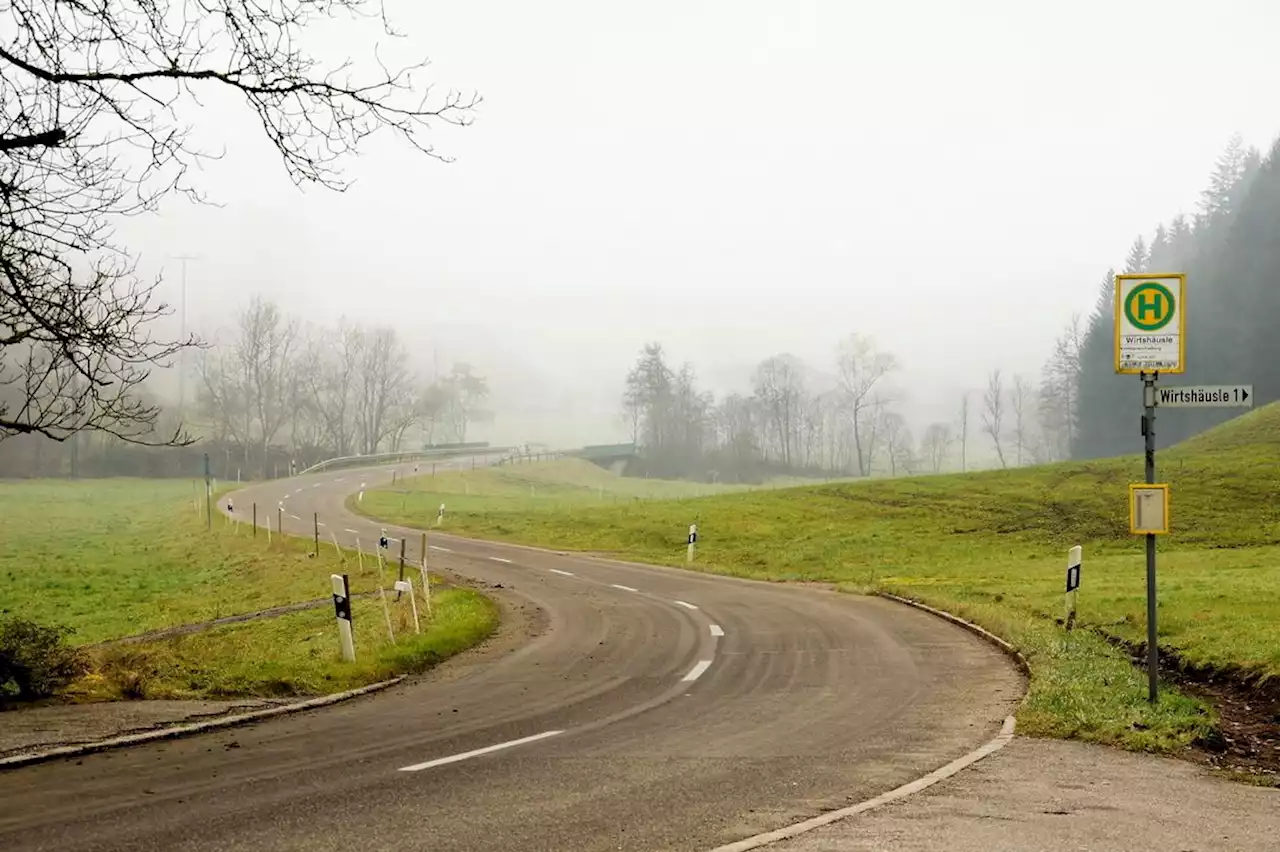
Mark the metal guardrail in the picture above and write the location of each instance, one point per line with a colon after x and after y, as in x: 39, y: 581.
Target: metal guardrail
x: 399, y: 458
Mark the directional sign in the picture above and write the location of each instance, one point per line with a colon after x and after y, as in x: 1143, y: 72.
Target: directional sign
x: 1149, y: 509
x: 1151, y: 323
x: 1206, y: 396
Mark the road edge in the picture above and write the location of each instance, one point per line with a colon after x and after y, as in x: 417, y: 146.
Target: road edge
x: 942, y: 773
x: 176, y: 731
x: 993, y: 745
x: 1003, y: 644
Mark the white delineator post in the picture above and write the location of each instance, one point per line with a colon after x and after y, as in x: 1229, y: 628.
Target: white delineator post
x: 693, y: 541
x: 440, y: 515
x: 1074, y: 559
x: 406, y: 585
x: 342, y: 611
x: 360, y: 497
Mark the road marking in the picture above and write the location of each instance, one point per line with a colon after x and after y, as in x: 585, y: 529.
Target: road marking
x: 441, y: 549
x: 686, y: 604
x: 295, y: 517
x: 717, y: 630
x: 353, y: 532
x: 339, y: 479
x: 696, y: 671
x: 320, y: 523
x: 624, y: 588
x: 558, y: 571
x: 317, y: 485
x: 454, y: 758
x: 500, y: 559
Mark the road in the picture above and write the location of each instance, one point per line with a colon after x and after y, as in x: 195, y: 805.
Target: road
x: 654, y: 709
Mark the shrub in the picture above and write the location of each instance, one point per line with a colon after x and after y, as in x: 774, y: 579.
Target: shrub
x: 35, y: 660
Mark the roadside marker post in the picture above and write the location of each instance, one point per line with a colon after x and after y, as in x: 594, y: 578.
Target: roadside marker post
x: 342, y: 611
x: 1073, y: 583
x: 315, y: 520
x: 255, y: 520
x: 440, y: 515
x: 280, y: 518
x: 407, y: 586
x: 693, y: 541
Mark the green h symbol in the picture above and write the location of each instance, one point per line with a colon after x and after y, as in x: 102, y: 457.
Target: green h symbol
x: 1148, y: 302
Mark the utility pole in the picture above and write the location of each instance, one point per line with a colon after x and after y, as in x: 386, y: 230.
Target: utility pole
x: 182, y: 335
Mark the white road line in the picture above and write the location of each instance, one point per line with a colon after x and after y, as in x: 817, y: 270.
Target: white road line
x: 441, y: 549
x: 295, y: 517
x: 717, y: 630
x: 353, y: 532
x: 321, y: 524
x: 454, y: 758
x: 624, y: 588
x: 686, y: 604
x: 317, y: 485
x: 696, y: 671
x: 339, y: 479
x: 500, y: 559
x: 558, y: 571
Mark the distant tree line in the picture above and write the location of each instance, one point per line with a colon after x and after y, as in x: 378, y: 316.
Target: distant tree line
x: 273, y: 395
x: 801, y: 421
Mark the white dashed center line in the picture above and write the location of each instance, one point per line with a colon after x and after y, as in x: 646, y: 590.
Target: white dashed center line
x: 686, y: 604
x: 624, y: 588
x: 454, y: 758
x: 696, y: 671
x: 717, y: 630
x: 500, y: 559
x: 441, y: 549
x: 558, y: 571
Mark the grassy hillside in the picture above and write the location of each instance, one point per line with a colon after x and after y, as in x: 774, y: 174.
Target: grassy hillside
x: 118, y: 557
x: 539, y: 486
x: 993, y: 546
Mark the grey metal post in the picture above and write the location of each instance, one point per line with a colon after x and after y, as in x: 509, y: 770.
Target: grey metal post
x: 255, y: 520
x: 208, y: 494
x: 315, y: 517
x: 1149, y: 434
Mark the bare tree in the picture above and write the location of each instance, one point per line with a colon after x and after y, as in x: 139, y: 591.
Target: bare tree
x: 779, y: 385
x: 382, y: 384
x: 468, y: 391
x: 266, y: 349
x: 861, y: 369
x: 934, y: 444
x: 329, y: 375
x: 75, y: 350
x: 993, y: 412
x: 92, y: 97
x: 897, y: 439
x: 1059, y: 398
x: 1021, y: 396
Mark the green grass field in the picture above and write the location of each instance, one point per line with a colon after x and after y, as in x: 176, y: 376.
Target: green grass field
x: 295, y: 654
x: 113, y: 558
x: 991, y: 546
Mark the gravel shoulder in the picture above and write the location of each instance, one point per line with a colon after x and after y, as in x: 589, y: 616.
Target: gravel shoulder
x: 1046, y: 796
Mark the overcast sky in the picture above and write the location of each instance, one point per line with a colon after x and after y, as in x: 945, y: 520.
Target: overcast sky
x: 742, y: 178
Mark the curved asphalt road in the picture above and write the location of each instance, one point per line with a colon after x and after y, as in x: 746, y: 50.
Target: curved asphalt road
x: 658, y: 709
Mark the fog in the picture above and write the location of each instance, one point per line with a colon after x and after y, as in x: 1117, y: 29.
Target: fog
x: 737, y: 180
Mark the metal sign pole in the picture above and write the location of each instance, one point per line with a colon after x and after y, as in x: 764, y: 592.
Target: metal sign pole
x: 1149, y: 434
